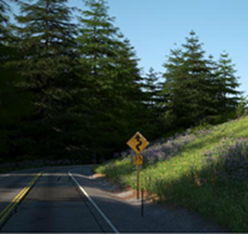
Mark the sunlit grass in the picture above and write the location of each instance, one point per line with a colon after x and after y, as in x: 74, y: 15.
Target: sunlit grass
x: 184, y: 179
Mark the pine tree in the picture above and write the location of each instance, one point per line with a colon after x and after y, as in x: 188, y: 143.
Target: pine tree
x: 187, y: 85
x: 94, y: 41
x: 133, y: 100
x: 4, y: 19
x: 47, y: 64
x: 215, y: 90
x: 227, y: 83
x: 5, y: 32
x: 111, y: 81
x: 153, y: 100
x: 173, y: 89
x: 4, y: 9
x: 14, y: 105
x: 152, y: 89
x: 200, y: 99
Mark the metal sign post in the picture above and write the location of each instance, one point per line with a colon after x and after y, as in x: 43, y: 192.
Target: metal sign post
x: 138, y: 143
x: 142, y: 202
x: 137, y: 166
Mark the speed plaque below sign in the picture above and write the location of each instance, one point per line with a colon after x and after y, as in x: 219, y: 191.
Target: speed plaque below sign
x: 137, y: 159
x: 137, y: 143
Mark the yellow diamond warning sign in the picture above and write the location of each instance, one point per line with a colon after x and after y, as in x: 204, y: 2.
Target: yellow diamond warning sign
x: 138, y: 143
x: 137, y: 159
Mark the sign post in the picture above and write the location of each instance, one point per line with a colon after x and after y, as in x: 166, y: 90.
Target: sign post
x: 137, y: 166
x: 137, y: 143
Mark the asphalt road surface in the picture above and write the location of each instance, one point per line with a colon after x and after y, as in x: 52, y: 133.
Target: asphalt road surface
x: 69, y: 199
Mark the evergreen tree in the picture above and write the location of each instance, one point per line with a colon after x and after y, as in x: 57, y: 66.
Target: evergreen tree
x: 152, y: 88
x: 200, y: 100
x: 198, y: 90
x: 135, y: 111
x: 47, y: 69
x: 189, y: 90
x: 4, y: 9
x: 227, y: 83
x: 94, y: 40
x: 14, y: 105
x: 212, y: 78
x: 173, y: 89
x: 111, y: 81
x: 153, y: 100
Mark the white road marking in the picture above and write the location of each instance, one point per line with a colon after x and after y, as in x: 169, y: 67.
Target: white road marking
x: 94, y: 204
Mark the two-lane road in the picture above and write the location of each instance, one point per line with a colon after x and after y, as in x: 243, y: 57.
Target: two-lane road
x: 67, y: 199
x: 52, y: 204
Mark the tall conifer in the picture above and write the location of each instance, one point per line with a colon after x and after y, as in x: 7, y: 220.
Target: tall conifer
x: 46, y: 41
x: 151, y: 86
x: 111, y: 78
x: 174, y: 89
x: 4, y: 19
x: 14, y: 105
x: 188, y: 86
x: 227, y: 82
x: 154, y: 101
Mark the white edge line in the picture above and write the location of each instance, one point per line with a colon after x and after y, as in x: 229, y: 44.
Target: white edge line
x: 94, y: 204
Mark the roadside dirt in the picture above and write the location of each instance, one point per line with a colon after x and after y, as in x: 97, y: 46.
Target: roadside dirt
x: 129, y: 195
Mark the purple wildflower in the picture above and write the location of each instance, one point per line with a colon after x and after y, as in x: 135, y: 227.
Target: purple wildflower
x: 231, y: 159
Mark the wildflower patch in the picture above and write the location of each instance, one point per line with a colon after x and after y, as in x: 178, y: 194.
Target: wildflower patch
x: 229, y: 160
x: 166, y: 150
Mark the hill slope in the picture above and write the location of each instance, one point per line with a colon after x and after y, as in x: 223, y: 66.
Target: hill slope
x: 204, y: 170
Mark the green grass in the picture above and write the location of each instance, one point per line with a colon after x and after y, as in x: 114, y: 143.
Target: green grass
x: 175, y: 180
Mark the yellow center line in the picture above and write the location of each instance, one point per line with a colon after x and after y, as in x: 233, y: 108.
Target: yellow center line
x: 5, y: 212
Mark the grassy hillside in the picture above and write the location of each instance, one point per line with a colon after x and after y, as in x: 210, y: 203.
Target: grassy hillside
x: 204, y: 170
